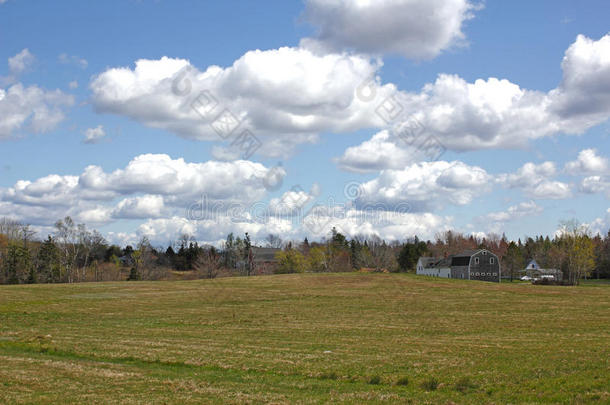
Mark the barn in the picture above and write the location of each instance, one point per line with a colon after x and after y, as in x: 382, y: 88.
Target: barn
x: 480, y: 264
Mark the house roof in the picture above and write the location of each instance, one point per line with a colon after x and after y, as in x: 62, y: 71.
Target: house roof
x: 447, y: 261
x: 261, y: 254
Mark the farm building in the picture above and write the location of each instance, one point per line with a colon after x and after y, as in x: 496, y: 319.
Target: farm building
x: 534, y: 271
x: 478, y: 264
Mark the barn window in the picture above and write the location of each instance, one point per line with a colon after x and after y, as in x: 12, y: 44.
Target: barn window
x: 488, y: 274
x: 485, y: 253
x: 495, y: 274
x: 476, y: 260
x: 491, y: 260
x: 477, y: 274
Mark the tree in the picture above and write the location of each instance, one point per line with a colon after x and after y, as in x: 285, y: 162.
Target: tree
x: 17, y: 264
x: 48, y: 265
x: 11, y: 229
x: 274, y: 241
x: 580, y: 251
x: 317, y: 260
x: 290, y: 261
x: 142, y: 260
x: 248, y: 256
x: 513, y: 260
x: 67, y: 238
x: 208, y: 263
x: 410, y: 254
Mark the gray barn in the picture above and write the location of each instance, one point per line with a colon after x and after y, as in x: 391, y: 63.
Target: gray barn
x: 478, y: 264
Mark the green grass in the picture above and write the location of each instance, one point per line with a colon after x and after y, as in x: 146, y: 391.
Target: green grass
x: 348, y: 338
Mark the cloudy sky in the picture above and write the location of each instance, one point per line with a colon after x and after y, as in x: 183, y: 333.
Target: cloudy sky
x: 388, y: 117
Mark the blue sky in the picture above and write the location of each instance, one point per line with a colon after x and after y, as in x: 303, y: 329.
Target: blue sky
x: 523, y: 152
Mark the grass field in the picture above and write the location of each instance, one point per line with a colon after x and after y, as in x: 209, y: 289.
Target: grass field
x: 344, y: 338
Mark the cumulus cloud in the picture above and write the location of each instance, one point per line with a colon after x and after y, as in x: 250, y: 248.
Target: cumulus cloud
x: 514, y: 212
x: 142, y: 207
x: 583, y: 97
x: 208, y: 200
x: 373, y: 221
x: 288, y: 96
x: 588, y: 162
x: 415, y: 29
x: 150, y: 186
x: 28, y: 109
x: 537, y: 181
x: 382, y: 151
x: 600, y: 225
x: 21, y: 62
x: 493, y: 113
x: 284, y: 97
x: 425, y: 186
x: 31, y: 109
x: 94, y: 135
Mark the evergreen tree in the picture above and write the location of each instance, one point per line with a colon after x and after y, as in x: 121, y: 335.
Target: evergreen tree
x: 48, y: 267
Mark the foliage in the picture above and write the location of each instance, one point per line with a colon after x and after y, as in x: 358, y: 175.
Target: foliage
x: 290, y: 261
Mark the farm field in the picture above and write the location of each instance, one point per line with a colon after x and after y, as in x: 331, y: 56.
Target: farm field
x: 309, y: 338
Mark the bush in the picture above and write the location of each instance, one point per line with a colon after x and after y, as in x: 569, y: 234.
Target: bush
x: 329, y: 376
x: 375, y: 380
x: 431, y: 384
x: 463, y: 384
x: 133, y: 275
x: 403, y: 381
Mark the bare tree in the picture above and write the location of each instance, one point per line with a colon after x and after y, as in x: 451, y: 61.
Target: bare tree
x: 67, y: 238
x: 208, y: 263
x: 274, y: 241
x: 11, y: 228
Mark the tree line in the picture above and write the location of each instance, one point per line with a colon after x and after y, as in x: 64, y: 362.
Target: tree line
x: 74, y: 253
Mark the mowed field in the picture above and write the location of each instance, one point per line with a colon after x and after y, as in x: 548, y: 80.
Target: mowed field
x: 340, y: 338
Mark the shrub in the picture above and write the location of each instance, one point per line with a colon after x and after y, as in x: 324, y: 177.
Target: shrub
x: 375, y: 380
x: 463, y: 384
x: 402, y: 381
x: 431, y: 384
x: 329, y: 376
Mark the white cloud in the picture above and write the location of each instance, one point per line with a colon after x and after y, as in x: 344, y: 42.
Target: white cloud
x: 494, y: 113
x: 73, y: 84
x: 142, y: 207
x: 66, y: 59
x: 285, y: 96
x: 288, y: 96
x: 418, y: 29
x: 537, y: 181
x: 425, y: 186
x: 31, y: 109
x: 583, y: 97
x: 601, y: 225
x: 382, y: 151
x: 386, y: 224
x: 94, y: 135
x: 175, y: 179
x: 514, y: 212
x: 21, y: 62
x: 588, y: 162
x: 153, y: 186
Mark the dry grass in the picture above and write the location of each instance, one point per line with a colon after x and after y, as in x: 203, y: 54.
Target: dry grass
x: 311, y: 338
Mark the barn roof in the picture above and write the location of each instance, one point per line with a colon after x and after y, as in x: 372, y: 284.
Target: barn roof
x: 261, y: 254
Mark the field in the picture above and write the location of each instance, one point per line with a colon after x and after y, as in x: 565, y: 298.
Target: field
x: 341, y: 338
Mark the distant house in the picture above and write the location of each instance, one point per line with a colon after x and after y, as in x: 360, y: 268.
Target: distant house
x: 534, y: 271
x: 264, y: 259
x: 479, y: 264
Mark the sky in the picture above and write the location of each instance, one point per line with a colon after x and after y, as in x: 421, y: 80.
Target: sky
x: 392, y: 118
